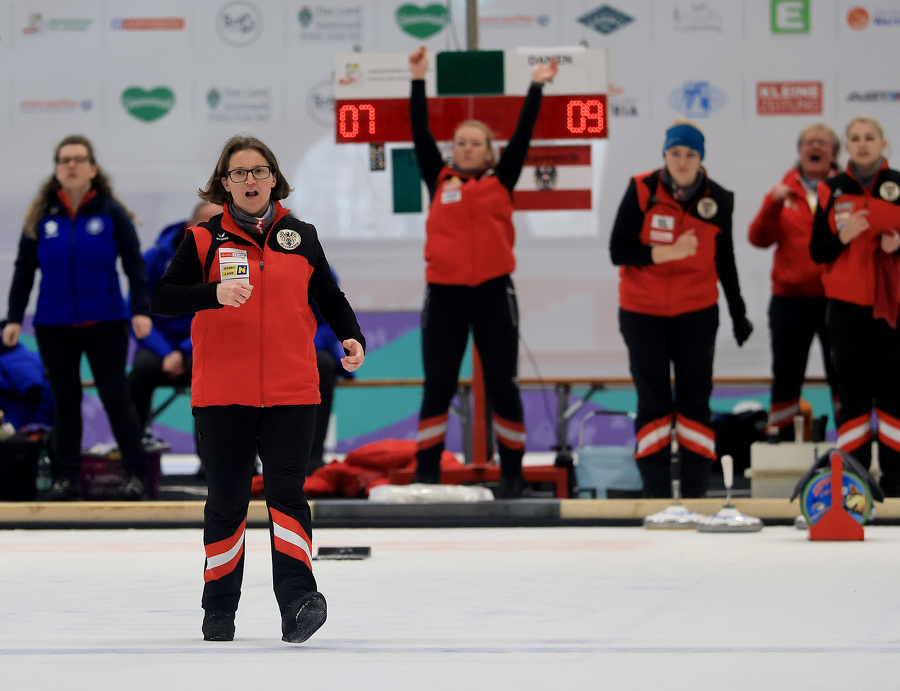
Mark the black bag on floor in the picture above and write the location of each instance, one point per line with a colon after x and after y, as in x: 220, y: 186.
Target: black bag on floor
x: 18, y: 468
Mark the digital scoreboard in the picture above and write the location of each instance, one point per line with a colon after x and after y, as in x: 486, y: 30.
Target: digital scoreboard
x: 372, y: 97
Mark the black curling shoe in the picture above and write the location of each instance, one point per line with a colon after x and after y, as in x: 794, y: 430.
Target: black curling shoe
x: 303, y: 617
x: 218, y: 625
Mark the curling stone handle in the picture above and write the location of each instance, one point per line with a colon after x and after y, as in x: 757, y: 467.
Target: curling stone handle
x: 728, y: 470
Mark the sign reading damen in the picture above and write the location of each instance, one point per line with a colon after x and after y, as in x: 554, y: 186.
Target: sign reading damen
x: 239, y: 23
x: 697, y: 99
x: 605, y: 19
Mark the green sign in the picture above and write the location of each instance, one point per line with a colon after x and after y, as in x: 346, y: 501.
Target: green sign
x: 148, y: 105
x: 790, y: 16
x: 422, y: 22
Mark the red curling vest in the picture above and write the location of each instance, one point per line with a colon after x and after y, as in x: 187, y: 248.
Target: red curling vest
x: 469, y: 231
x: 261, y: 353
x: 851, y: 277
x: 677, y: 287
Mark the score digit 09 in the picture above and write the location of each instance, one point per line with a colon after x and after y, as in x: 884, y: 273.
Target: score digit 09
x: 354, y: 119
x: 587, y: 111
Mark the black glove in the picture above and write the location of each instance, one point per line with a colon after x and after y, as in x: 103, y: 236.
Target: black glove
x: 742, y: 329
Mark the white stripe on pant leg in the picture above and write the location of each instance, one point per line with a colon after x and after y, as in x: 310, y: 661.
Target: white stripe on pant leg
x: 219, y: 559
x: 697, y: 437
x: 292, y: 537
x: 431, y: 432
x: 654, y: 437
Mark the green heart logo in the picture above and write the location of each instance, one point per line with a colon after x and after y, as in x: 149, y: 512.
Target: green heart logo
x: 422, y: 22
x: 148, y: 105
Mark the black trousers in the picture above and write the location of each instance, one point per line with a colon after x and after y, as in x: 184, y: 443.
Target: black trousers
x: 793, y: 323
x: 146, y: 374
x: 866, y: 353
x: 230, y: 438
x: 327, y: 366
x: 656, y: 346
x: 491, y: 311
x: 106, y: 347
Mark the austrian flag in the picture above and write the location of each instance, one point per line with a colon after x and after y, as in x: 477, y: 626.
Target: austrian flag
x: 554, y: 178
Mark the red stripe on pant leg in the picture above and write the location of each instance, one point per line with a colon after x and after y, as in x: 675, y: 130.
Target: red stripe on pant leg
x: 860, y: 422
x: 648, y: 430
x: 224, y: 569
x: 289, y: 548
x: 885, y: 420
x: 513, y: 428
x: 699, y: 429
x: 434, y: 439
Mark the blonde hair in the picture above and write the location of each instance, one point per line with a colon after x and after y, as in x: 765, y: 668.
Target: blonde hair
x: 685, y: 121
x: 865, y: 120
x: 488, y: 134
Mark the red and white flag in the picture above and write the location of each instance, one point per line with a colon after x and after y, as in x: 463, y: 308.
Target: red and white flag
x: 554, y: 178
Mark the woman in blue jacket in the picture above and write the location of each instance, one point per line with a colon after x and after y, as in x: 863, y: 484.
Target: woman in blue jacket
x: 75, y: 231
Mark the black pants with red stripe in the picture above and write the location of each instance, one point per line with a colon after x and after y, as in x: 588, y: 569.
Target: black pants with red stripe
x: 491, y: 311
x: 866, y: 353
x: 793, y: 323
x: 230, y: 438
x: 655, y: 345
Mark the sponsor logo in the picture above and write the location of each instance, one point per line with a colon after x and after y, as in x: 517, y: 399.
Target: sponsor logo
x: 147, y: 24
x: 58, y: 105
x: 605, y: 19
x: 239, y: 23
x: 620, y: 106
x: 789, y: 98
x: 148, y: 105
x: 51, y: 229
x: 288, y: 239
x: 37, y: 24
x: 707, y: 207
x: 790, y: 16
x: 698, y: 16
x: 697, y: 99
x: 94, y: 226
x: 221, y: 237
x: 229, y: 104
x: 842, y: 206
x: 857, y: 18
x: 233, y: 270
x: 514, y: 21
x: 873, y: 96
x: 889, y: 191
x: 321, y: 23
x: 352, y: 74
x: 320, y: 103
x: 422, y: 22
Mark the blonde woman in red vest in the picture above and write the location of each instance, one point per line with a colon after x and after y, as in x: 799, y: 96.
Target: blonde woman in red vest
x: 254, y: 389
x: 855, y: 234
x: 797, y: 307
x: 672, y: 241
x: 469, y: 260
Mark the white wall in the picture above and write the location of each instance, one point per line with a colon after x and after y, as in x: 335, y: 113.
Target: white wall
x: 66, y: 71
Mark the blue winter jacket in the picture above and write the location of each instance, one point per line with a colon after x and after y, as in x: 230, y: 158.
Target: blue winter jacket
x: 77, y: 258
x: 168, y: 333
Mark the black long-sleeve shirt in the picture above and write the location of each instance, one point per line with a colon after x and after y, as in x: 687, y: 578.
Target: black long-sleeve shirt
x: 508, y: 168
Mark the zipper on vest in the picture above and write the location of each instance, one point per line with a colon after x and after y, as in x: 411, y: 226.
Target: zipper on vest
x: 262, y: 333
x: 72, y: 270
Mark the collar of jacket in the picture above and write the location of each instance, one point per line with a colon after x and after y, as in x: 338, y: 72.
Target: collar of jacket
x: 229, y: 225
x: 67, y: 204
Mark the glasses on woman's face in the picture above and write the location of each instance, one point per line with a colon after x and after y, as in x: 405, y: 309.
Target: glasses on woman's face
x: 815, y: 142
x: 240, y: 174
x: 77, y: 160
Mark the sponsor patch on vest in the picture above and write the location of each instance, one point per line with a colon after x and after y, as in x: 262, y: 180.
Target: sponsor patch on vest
x: 843, y: 206
x: 662, y: 237
x: 659, y: 222
x: 707, y: 207
x: 889, y: 191
x: 51, y: 229
x: 451, y: 191
x: 233, y: 265
x: 288, y: 239
x: 95, y: 224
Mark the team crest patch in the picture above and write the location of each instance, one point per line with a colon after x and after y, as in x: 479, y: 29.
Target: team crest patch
x: 288, y: 239
x: 707, y: 207
x: 94, y: 225
x: 889, y: 191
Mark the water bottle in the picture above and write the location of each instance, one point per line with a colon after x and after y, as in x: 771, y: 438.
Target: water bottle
x: 44, y: 478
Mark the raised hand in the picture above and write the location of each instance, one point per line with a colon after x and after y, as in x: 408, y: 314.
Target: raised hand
x: 418, y: 62
x: 541, y: 73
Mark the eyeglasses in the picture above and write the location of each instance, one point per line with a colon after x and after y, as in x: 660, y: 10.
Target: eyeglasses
x: 815, y: 142
x: 78, y: 160
x: 259, y: 173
